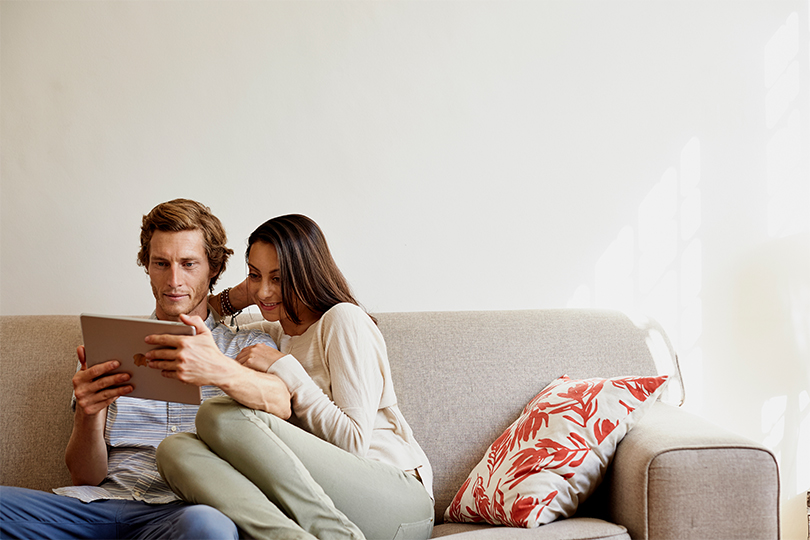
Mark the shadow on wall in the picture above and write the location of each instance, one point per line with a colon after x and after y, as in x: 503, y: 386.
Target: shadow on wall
x: 772, y: 291
x: 655, y: 267
x: 771, y: 329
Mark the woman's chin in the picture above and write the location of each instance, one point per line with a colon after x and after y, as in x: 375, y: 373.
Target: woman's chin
x: 270, y: 315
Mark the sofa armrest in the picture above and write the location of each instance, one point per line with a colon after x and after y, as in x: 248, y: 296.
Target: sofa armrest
x: 676, y: 475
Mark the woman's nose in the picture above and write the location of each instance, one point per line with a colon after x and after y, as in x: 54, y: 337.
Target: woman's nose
x: 265, y: 289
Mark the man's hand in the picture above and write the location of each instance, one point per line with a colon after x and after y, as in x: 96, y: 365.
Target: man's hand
x: 259, y: 357
x: 94, y: 389
x: 191, y: 359
x: 197, y: 360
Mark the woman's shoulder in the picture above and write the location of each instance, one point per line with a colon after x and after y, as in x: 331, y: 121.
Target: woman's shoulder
x: 350, y: 322
x: 345, y: 310
x: 347, y: 314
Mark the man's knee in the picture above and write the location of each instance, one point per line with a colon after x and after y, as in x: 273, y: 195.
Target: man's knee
x: 201, y: 521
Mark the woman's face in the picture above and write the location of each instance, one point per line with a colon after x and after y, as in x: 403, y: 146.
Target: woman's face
x: 264, y: 288
x: 264, y: 281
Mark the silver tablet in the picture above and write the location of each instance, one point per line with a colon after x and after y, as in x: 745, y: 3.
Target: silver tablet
x: 122, y: 338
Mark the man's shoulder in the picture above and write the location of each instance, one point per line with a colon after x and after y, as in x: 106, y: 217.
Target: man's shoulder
x: 226, y: 337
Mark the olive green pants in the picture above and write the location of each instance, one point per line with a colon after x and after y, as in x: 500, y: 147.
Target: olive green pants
x: 275, y: 480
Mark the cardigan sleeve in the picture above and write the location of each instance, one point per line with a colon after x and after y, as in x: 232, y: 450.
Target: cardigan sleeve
x: 353, y: 352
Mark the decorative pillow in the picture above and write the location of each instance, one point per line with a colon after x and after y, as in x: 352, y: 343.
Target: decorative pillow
x: 555, y: 454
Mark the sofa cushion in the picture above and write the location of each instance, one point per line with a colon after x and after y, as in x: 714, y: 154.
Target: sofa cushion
x: 555, y: 454
x: 37, y: 361
x: 576, y: 528
x: 462, y: 378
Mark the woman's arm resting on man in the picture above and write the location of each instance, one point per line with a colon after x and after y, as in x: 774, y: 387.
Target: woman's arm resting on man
x: 197, y: 360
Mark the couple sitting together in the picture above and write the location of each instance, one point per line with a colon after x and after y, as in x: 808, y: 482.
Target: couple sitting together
x: 299, y: 434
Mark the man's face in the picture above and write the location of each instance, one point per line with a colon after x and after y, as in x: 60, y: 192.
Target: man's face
x: 179, y: 273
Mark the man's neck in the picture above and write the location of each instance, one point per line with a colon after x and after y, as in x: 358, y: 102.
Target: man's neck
x: 201, y: 311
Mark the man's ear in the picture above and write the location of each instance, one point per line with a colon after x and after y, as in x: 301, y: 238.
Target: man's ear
x: 211, y: 275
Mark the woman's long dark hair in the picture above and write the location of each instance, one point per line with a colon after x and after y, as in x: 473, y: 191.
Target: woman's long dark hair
x: 307, y: 270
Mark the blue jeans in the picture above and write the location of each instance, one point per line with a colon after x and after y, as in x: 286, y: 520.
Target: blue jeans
x: 28, y: 514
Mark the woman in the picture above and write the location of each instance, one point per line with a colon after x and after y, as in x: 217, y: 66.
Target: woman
x: 346, y: 465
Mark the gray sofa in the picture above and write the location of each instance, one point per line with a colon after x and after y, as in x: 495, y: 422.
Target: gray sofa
x: 461, y: 379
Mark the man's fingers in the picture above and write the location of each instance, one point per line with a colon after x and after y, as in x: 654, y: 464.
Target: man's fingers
x: 94, y: 386
x: 82, y: 356
x: 196, y: 322
x: 96, y: 402
x: 100, y: 369
x: 164, y: 365
x: 164, y: 340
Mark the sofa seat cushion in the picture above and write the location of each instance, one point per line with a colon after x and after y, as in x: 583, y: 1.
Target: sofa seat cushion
x: 555, y: 454
x: 577, y: 528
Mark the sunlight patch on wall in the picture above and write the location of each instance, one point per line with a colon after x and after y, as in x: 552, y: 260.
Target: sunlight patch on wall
x: 788, y: 189
x: 656, y: 267
x: 782, y: 70
x: 773, y: 423
x: 803, y: 465
x: 614, y: 273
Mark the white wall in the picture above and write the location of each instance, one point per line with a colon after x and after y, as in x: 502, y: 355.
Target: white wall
x: 649, y: 156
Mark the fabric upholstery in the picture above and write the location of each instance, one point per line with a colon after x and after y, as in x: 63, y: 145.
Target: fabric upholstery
x: 678, y: 476
x: 556, y: 454
x: 37, y: 361
x: 473, y: 372
x: 566, y: 529
x: 461, y: 379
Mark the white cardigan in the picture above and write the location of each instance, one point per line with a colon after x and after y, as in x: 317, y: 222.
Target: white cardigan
x: 340, y: 380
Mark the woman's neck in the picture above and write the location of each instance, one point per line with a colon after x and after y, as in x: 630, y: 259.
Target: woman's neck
x: 308, y: 318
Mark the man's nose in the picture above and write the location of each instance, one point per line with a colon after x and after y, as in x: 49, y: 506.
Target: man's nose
x: 174, y: 276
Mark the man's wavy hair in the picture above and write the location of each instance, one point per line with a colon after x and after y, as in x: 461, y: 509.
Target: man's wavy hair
x: 187, y: 215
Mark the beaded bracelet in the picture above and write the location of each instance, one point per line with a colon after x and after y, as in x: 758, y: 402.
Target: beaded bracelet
x: 225, y: 301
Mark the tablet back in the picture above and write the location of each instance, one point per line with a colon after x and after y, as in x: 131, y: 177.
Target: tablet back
x: 122, y: 338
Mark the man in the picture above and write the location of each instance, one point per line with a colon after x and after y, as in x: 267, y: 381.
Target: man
x: 117, y: 491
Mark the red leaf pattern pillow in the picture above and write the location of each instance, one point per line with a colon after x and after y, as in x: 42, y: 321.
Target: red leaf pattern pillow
x: 555, y: 454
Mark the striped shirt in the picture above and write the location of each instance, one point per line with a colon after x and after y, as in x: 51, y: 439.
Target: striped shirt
x: 135, y: 427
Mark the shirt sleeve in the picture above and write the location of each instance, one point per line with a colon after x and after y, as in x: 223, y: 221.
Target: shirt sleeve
x: 354, y: 353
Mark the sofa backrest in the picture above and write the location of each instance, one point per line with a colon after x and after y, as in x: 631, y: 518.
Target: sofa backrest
x: 37, y: 361
x: 462, y: 378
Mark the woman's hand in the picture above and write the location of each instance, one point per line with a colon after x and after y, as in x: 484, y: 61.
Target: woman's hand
x: 259, y: 357
x: 238, y: 297
x: 197, y: 360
